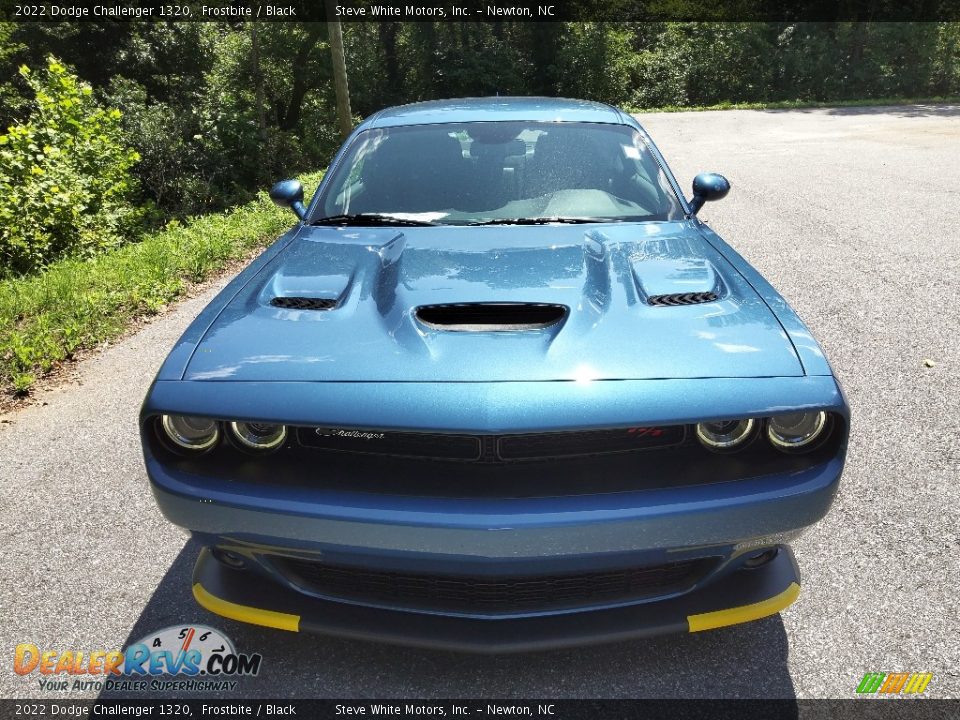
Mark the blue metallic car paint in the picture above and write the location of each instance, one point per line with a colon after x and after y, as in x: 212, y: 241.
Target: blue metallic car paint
x: 603, y: 276
x: 494, y: 407
x: 496, y: 109
x: 645, y: 522
x: 615, y: 361
x: 811, y: 355
x: 176, y: 362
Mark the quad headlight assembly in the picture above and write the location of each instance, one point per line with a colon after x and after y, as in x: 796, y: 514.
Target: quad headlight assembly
x: 789, y: 433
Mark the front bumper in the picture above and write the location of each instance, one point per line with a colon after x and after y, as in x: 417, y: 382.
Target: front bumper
x: 741, y: 596
x: 499, y: 535
x: 724, y: 523
x: 444, y: 532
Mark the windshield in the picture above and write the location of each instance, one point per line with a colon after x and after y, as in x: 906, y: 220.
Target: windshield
x: 491, y: 172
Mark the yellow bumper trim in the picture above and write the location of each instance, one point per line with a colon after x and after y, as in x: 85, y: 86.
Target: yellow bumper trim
x: 245, y: 613
x: 744, y: 613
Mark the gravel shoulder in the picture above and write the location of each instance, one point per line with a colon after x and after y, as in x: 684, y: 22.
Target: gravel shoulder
x: 850, y: 213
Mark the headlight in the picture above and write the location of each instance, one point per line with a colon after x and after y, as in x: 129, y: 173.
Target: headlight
x: 258, y: 436
x: 725, y: 434
x: 796, y: 430
x: 191, y: 433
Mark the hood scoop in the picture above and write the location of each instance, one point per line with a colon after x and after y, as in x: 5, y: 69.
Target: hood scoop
x: 491, y: 317
x: 304, y: 303
x: 676, y: 276
x: 675, y: 299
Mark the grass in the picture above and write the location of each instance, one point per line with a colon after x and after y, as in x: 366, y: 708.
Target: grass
x: 800, y: 104
x: 78, y: 304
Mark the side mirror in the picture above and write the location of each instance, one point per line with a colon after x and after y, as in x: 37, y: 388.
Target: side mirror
x: 708, y: 186
x: 289, y: 193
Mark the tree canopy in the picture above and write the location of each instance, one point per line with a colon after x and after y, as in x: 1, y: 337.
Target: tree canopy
x: 215, y: 111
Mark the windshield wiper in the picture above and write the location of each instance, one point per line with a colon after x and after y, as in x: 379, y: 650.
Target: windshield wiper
x: 540, y: 221
x: 370, y: 219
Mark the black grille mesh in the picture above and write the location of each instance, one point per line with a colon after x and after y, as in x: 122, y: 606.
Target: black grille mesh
x: 682, y: 299
x: 304, y: 303
x: 536, y: 446
x: 421, y: 445
x: 482, y: 594
x: 492, y: 448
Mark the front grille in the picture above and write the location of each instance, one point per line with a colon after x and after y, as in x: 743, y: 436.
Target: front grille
x: 492, y: 595
x: 304, y: 303
x: 423, y: 445
x: 676, y: 299
x: 492, y: 448
x: 537, y: 446
x: 478, y: 317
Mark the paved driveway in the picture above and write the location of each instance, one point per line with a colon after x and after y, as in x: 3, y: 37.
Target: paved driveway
x: 851, y: 213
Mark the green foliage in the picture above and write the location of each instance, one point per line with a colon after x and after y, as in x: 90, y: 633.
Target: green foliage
x: 219, y: 110
x: 799, y: 104
x: 252, y: 108
x: 11, y: 99
x: 694, y: 64
x: 65, y: 185
x: 75, y: 304
x: 945, y: 63
x: 597, y: 61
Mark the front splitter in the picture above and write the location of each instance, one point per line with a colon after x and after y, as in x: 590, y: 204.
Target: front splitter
x: 736, y: 598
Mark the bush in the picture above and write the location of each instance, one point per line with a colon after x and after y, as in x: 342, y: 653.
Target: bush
x: 167, y: 170
x: 76, y: 304
x: 65, y: 186
x: 596, y: 62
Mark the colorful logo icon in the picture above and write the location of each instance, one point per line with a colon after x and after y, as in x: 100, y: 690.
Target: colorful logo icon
x: 894, y: 683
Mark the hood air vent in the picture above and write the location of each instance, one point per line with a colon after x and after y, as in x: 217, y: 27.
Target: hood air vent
x: 304, y: 303
x: 491, y: 317
x: 695, y: 298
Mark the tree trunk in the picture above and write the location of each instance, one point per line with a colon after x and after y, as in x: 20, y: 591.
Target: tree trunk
x: 387, y: 32
x: 304, y: 80
x: 344, y: 116
x: 258, y: 81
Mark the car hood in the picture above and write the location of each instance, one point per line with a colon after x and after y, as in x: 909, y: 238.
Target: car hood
x: 603, y: 276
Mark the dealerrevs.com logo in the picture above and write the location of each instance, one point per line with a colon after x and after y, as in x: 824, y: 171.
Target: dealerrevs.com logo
x: 201, y: 658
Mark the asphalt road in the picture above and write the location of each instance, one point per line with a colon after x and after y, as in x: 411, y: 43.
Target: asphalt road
x: 852, y: 214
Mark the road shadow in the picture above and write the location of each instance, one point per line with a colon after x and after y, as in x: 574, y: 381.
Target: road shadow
x: 748, y: 661
x: 900, y: 111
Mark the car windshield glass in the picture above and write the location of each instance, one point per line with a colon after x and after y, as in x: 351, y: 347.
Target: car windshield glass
x: 496, y: 172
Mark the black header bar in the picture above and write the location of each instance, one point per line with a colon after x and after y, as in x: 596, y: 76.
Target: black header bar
x: 479, y: 10
x: 546, y: 709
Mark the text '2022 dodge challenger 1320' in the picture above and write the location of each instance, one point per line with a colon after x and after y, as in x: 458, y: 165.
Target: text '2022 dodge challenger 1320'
x: 498, y: 389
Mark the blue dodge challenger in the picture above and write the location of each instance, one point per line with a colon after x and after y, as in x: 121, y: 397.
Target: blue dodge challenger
x: 498, y: 389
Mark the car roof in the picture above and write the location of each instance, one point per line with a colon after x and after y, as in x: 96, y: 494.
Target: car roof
x: 543, y: 109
